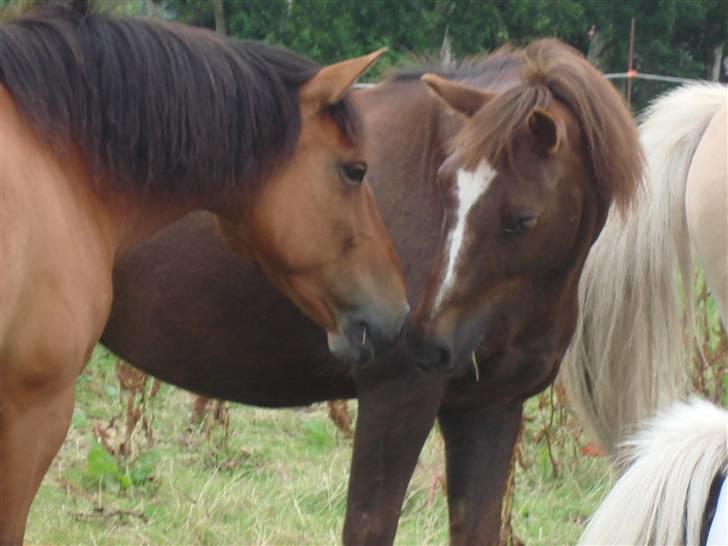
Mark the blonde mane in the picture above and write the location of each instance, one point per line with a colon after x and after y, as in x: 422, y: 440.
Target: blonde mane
x: 671, y: 466
x: 627, y: 356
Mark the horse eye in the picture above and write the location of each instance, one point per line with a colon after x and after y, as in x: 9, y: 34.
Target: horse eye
x: 354, y: 172
x: 519, y: 225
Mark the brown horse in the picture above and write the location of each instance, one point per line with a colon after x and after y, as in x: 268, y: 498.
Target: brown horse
x: 113, y: 128
x: 227, y: 344
x: 527, y: 186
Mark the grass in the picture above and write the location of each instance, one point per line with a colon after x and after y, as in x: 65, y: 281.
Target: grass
x: 280, y: 476
x: 277, y: 477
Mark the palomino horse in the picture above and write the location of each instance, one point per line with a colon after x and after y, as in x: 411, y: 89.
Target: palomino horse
x: 112, y: 128
x: 628, y: 355
x: 183, y: 316
x: 673, y: 489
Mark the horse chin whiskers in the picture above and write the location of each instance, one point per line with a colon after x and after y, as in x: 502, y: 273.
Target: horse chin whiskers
x: 474, y: 360
x: 348, y: 350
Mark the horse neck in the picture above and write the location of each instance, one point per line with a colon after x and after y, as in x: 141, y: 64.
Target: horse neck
x: 60, y: 183
x: 120, y: 219
x: 129, y: 218
x: 409, y: 131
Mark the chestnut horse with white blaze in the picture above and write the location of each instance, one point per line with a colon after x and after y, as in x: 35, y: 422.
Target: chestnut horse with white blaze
x: 181, y: 315
x: 102, y: 144
x: 528, y: 184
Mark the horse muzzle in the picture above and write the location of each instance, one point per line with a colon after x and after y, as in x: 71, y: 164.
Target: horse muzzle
x: 364, y: 334
x: 433, y: 354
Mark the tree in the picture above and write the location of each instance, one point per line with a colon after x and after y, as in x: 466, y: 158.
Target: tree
x: 675, y: 37
x: 218, y: 11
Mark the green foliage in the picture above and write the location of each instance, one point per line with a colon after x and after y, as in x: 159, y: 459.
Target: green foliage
x: 675, y: 37
x: 104, y: 470
x: 709, y: 367
x: 141, y: 470
x: 320, y: 433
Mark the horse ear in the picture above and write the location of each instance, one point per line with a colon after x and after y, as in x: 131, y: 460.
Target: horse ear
x: 460, y: 97
x: 548, y: 131
x: 332, y: 82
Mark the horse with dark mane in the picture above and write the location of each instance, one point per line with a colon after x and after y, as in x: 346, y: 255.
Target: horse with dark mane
x: 563, y: 146
x: 112, y: 129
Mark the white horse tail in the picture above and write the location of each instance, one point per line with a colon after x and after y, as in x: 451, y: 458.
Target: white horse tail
x: 629, y: 350
x: 661, y: 497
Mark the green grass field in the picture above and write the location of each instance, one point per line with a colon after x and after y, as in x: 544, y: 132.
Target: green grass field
x: 278, y: 477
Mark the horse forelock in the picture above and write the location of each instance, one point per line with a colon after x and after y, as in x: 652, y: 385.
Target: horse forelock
x: 610, y: 134
x: 158, y: 106
x: 493, y: 130
x: 551, y: 70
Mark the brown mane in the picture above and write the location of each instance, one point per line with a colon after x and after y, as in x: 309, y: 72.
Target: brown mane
x: 157, y: 106
x: 550, y: 70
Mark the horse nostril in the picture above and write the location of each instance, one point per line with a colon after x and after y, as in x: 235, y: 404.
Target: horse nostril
x: 443, y: 356
x: 431, y: 353
x: 440, y: 355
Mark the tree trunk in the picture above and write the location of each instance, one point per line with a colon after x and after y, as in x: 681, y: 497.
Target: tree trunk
x: 597, y: 54
x: 447, y: 59
x: 219, y: 11
x: 717, y: 59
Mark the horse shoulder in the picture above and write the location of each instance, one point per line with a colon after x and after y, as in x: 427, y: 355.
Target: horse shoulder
x: 55, y: 271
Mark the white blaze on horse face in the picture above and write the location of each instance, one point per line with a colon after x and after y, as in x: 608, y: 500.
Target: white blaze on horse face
x: 470, y: 187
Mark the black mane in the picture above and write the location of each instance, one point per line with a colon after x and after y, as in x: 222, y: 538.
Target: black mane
x: 159, y: 106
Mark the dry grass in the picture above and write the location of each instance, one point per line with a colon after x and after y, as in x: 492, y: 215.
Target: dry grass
x: 277, y: 477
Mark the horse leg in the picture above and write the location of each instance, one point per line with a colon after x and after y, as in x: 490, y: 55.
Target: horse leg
x: 395, y: 416
x: 43, y: 351
x: 479, y: 444
x: 31, y: 433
